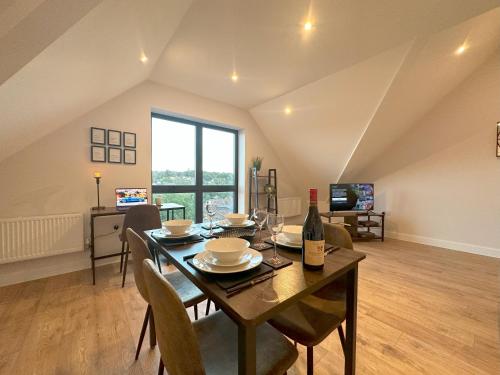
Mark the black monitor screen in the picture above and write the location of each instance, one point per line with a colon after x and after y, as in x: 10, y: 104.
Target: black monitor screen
x: 351, y: 197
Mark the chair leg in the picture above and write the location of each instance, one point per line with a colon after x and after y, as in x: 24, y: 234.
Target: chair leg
x: 310, y: 360
x: 121, y: 256
x: 195, y: 307
x: 152, y: 330
x: 125, y: 267
x: 143, y: 331
x: 342, y: 338
x: 160, y: 367
x: 207, y: 311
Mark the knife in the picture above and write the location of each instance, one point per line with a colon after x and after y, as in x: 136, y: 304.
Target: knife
x: 238, y: 288
x: 331, y: 250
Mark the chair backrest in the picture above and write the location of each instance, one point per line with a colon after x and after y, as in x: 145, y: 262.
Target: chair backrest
x: 139, y: 251
x: 141, y: 218
x: 337, y: 235
x: 177, y: 340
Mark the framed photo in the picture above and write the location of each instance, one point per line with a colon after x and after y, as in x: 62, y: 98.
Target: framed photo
x: 114, y: 138
x: 498, y: 139
x: 129, y: 156
x: 98, y: 154
x: 128, y: 139
x: 114, y: 155
x: 98, y: 136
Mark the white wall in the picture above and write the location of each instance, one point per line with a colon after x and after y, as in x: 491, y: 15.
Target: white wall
x: 54, y: 174
x: 440, y: 182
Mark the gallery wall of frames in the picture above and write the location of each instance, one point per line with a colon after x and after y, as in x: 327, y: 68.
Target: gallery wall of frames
x: 112, y: 146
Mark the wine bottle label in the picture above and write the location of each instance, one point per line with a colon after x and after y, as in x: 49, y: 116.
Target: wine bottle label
x: 314, y: 252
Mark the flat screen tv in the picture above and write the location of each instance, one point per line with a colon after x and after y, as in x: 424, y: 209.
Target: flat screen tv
x: 351, y: 197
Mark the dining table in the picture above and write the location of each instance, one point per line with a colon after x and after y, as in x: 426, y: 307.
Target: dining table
x: 258, y: 304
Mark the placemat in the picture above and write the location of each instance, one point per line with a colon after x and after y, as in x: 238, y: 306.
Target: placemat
x: 178, y: 241
x: 226, y: 281
x: 284, y: 262
x: 269, y: 241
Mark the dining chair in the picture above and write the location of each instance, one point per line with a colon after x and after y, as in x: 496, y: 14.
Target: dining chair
x: 187, y: 292
x: 210, y: 344
x: 139, y: 218
x: 312, y: 319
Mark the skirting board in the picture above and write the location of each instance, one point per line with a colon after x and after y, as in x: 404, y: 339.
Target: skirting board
x: 452, y: 245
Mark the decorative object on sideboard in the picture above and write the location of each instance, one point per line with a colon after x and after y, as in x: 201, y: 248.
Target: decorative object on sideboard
x: 98, y: 154
x: 498, y: 139
x: 129, y: 140
x: 114, y: 137
x: 114, y: 155
x: 129, y: 156
x: 257, y: 163
x: 97, y: 176
x: 97, y: 136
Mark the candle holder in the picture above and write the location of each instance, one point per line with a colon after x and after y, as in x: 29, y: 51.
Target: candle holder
x: 97, y: 177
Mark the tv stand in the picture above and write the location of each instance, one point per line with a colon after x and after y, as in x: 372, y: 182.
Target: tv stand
x: 360, y: 223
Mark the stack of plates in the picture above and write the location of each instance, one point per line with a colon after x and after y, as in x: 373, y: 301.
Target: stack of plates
x: 283, y: 240
x: 226, y: 224
x: 165, y: 234
x: 227, y: 255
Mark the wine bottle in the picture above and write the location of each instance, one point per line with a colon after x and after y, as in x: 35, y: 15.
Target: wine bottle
x: 313, y: 236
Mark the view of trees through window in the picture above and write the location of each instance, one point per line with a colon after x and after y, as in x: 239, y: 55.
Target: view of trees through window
x: 193, y: 163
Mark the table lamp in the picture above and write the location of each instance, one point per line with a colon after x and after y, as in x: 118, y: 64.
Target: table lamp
x: 97, y: 176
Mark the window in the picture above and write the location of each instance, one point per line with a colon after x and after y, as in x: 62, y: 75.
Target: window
x: 193, y: 162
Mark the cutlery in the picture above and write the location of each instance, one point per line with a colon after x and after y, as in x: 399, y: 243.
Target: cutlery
x: 167, y: 245
x: 238, y: 288
x: 331, y: 250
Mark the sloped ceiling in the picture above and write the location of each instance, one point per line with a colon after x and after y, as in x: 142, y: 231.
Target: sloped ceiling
x: 364, y: 74
x: 93, y: 61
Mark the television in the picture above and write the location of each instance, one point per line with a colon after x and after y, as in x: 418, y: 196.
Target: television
x: 126, y: 197
x: 351, y: 197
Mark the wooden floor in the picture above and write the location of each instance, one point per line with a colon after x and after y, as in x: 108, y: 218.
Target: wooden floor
x: 421, y: 310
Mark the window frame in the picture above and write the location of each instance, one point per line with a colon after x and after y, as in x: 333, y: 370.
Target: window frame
x: 198, y: 188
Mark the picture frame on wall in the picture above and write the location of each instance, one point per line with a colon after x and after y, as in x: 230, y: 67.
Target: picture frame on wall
x: 98, y: 154
x: 114, y: 155
x: 129, y: 156
x: 114, y: 137
x: 129, y: 140
x: 97, y: 136
x: 498, y: 139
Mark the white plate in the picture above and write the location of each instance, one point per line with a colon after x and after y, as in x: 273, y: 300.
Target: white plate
x: 245, y: 258
x: 227, y: 225
x: 163, y: 233
x: 282, y: 240
x: 200, y: 263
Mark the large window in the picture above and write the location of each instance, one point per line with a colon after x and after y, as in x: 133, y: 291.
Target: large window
x: 193, y: 162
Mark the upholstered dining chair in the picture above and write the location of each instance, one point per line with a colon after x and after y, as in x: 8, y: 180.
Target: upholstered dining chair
x: 314, y: 317
x: 208, y: 345
x: 139, y: 218
x: 187, y: 292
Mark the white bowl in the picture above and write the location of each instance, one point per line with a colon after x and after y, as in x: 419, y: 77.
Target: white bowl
x: 227, y: 250
x: 293, y: 233
x: 236, y: 218
x: 178, y: 226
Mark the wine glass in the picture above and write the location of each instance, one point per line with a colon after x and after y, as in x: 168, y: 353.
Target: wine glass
x: 275, y: 224
x: 211, y: 208
x: 260, y: 217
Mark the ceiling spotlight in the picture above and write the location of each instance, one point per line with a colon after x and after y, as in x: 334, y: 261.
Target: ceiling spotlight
x: 308, y: 26
x: 460, y: 49
x: 234, y: 77
x: 144, y: 59
x: 288, y: 110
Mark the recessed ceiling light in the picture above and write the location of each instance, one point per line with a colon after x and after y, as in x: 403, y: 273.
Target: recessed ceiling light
x: 288, y: 110
x: 144, y: 59
x: 234, y: 77
x: 460, y: 49
x: 308, y: 26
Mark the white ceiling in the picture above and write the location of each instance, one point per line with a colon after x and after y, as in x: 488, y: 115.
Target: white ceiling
x: 365, y: 74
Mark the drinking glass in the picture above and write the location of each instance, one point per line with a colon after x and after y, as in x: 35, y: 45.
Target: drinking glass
x: 275, y: 224
x: 260, y: 217
x: 211, y: 208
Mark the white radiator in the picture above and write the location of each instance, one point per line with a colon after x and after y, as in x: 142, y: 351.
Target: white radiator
x: 40, y: 236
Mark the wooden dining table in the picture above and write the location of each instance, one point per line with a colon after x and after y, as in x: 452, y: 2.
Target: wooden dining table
x: 256, y: 305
